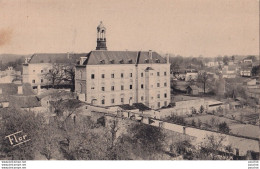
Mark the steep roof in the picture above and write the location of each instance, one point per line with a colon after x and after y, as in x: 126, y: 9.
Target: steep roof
x: 12, y: 89
x: 122, y: 57
x: 24, y: 101
x: 56, y: 57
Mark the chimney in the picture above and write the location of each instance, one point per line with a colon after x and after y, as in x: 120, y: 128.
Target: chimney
x: 20, y: 90
x: 150, y: 54
x: 168, y: 58
x: 27, y: 60
x: 82, y: 60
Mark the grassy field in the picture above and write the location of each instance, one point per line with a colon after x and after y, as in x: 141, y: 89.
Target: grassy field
x: 235, y: 126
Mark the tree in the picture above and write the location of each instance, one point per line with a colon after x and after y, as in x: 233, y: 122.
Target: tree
x: 203, y: 78
x: 199, y: 123
x: 211, y: 146
x: 55, y: 75
x: 255, y: 70
x: 225, y: 60
x: 14, y: 120
x: 193, y: 123
x: 114, y: 127
x: 223, y: 127
x: 233, y: 58
x: 69, y: 75
x: 201, y: 109
x: 148, y: 140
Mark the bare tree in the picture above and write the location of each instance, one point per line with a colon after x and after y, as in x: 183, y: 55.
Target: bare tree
x: 211, y: 147
x: 203, y: 78
x: 55, y: 74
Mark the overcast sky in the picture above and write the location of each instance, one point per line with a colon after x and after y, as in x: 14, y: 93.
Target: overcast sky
x: 185, y: 27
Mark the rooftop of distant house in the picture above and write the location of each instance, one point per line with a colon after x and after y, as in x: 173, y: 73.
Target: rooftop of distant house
x: 23, y: 98
x: 56, y: 57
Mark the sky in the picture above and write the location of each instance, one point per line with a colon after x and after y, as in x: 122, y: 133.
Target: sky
x: 181, y: 27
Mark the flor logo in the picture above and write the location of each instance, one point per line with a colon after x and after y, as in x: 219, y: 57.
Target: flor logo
x: 17, y: 138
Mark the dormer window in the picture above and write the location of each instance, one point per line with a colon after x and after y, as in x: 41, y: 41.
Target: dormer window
x: 130, y: 61
x: 121, y: 61
x: 102, y: 61
x: 146, y: 61
x: 112, y: 61
x: 157, y: 61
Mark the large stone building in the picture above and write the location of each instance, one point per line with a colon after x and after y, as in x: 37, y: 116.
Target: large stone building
x: 108, y: 78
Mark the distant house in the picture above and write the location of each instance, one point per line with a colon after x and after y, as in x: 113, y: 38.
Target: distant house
x: 235, y: 105
x: 212, y: 64
x: 215, y: 105
x: 229, y: 71
x: 192, y: 90
x: 9, y: 75
x: 18, y: 96
x: 180, y: 74
x: 191, y: 74
x: 250, y: 82
x: 245, y: 68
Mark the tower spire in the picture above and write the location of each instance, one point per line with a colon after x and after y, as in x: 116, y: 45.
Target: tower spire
x: 101, y: 37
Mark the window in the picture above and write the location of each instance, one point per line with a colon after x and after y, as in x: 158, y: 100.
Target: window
x: 159, y: 104
x: 92, y: 88
x: 151, y: 98
x: 131, y: 87
x: 165, y: 73
x: 131, y: 74
x: 122, y: 100
x: 103, y: 101
x: 158, y: 84
x: 158, y: 73
x: 142, y: 74
x: 122, y: 75
x: 33, y: 81
x: 158, y: 96
x: 142, y: 86
x: 92, y: 76
x: 165, y: 104
x: 112, y: 88
x: 113, y: 75
x: 142, y: 98
x: 112, y: 101
x: 122, y: 87
x: 165, y: 84
x: 41, y: 71
x: 165, y: 95
x: 103, y: 76
x: 103, y: 88
x: 41, y: 80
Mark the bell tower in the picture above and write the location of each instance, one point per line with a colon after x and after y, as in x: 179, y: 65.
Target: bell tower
x: 101, y: 37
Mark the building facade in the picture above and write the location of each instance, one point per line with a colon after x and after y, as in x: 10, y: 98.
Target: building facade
x: 39, y: 65
x: 109, y: 78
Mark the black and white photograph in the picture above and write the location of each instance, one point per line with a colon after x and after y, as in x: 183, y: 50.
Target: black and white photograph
x: 129, y: 80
